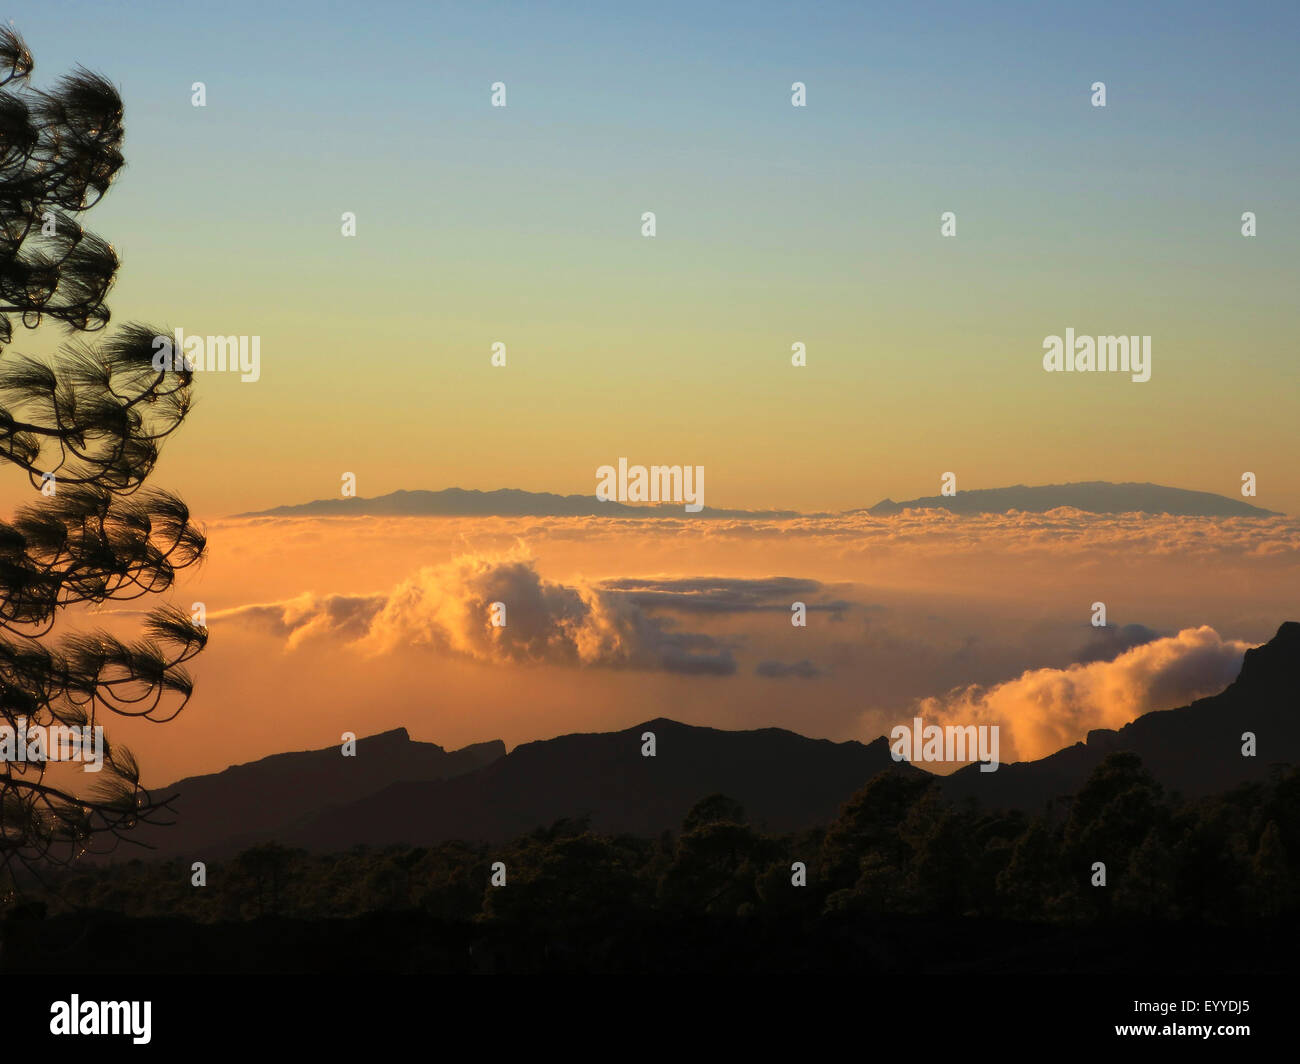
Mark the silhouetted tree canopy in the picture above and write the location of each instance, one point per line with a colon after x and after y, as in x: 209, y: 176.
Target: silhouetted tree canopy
x: 85, y: 428
x: 59, y: 152
x: 899, y: 880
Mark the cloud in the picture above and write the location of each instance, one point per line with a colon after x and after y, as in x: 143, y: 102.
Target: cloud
x: 308, y: 616
x: 723, y: 595
x: 838, y: 541
x: 1109, y: 642
x: 448, y: 608
x: 1046, y: 709
x: 779, y: 670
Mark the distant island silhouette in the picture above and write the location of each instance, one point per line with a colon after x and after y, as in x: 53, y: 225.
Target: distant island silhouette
x: 1095, y: 496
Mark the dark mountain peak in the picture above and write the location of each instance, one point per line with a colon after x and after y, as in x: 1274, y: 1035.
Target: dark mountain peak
x: 661, y: 724
x: 251, y: 802
x: 1275, y: 662
x: 394, y: 737
x: 773, y: 737
x: 785, y: 782
x: 1102, y: 739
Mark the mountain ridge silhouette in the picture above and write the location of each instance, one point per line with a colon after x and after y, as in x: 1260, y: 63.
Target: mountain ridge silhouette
x: 397, y: 790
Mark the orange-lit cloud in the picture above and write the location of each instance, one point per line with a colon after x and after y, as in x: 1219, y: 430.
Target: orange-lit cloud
x: 1046, y: 709
x: 617, y: 623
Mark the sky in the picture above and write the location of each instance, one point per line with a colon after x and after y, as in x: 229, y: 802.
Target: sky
x: 775, y: 225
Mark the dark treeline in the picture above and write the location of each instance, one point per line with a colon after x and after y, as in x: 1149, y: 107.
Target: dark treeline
x: 900, y: 879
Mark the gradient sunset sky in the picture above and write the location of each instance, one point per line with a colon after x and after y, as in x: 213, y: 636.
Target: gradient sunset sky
x: 775, y: 225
